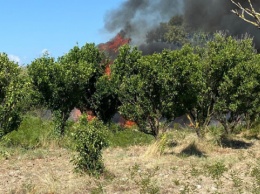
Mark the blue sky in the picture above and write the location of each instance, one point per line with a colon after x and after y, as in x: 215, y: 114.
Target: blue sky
x: 30, y: 27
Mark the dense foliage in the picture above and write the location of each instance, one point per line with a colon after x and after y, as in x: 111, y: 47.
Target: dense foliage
x: 218, y: 78
x: 157, y: 86
x: 14, y: 94
x: 68, y: 82
x: 222, y: 58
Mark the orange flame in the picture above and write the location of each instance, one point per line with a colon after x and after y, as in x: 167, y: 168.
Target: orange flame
x: 113, y: 45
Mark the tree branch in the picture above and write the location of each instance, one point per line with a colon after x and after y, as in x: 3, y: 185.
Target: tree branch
x: 254, y: 16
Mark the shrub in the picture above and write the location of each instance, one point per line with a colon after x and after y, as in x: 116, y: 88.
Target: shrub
x: 89, y: 140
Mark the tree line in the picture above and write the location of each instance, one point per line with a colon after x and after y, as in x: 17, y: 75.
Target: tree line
x: 218, y: 78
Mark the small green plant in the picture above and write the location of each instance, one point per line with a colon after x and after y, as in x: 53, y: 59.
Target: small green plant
x: 4, y: 154
x: 216, y: 170
x: 158, y: 147
x: 180, y: 135
x: 216, y: 133
x: 89, y: 141
x: 144, y: 179
x: 28, y: 188
x: 252, y: 133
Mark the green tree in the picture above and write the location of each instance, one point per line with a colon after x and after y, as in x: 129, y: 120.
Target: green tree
x: 14, y: 94
x: 156, y: 86
x: 239, y: 95
x: 219, y: 57
x: 68, y: 82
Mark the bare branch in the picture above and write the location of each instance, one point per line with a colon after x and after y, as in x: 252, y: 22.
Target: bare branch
x: 247, y: 14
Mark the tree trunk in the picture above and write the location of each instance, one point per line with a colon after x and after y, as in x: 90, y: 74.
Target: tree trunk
x: 64, y: 118
x: 155, y: 126
x: 61, y: 118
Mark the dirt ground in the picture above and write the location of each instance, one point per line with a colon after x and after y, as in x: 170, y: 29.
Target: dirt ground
x: 191, y: 167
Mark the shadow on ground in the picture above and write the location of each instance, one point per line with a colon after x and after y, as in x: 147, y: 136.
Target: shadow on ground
x: 234, y: 143
x: 192, y: 150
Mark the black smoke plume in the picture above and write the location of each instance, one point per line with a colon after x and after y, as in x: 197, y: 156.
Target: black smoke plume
x: 137, y: 17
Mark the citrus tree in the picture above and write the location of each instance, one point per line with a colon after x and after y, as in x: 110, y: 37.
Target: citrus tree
x: 14, y: 94
x: 239, y: 95
x: 68, y: 82
x: 221, y: 57
x: 155, y: 87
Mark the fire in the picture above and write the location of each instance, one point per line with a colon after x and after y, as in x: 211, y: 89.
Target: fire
x: 108, y: 69
x: 111, y: 48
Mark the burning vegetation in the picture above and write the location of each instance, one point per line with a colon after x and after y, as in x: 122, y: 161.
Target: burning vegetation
x: 111, y: 48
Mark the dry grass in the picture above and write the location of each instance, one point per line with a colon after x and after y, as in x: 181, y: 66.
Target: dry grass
x: 187, y: 165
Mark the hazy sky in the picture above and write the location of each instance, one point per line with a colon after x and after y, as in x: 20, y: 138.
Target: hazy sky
x: 30, y: 27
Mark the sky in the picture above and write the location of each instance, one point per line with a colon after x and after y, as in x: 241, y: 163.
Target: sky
x: 32, y: 27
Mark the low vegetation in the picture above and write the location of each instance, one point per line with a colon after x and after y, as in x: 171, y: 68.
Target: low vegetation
x: 177, y: 162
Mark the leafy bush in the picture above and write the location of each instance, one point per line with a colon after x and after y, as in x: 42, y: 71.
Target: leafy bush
x: 89, y: 141
x: 33, y: 132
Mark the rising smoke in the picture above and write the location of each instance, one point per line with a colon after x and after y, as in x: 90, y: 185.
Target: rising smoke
x: 137, y: 17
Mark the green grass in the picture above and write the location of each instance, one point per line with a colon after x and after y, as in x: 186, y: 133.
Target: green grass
x: 33, y: 132
x: 128, y: 137
x: 116, y: 136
